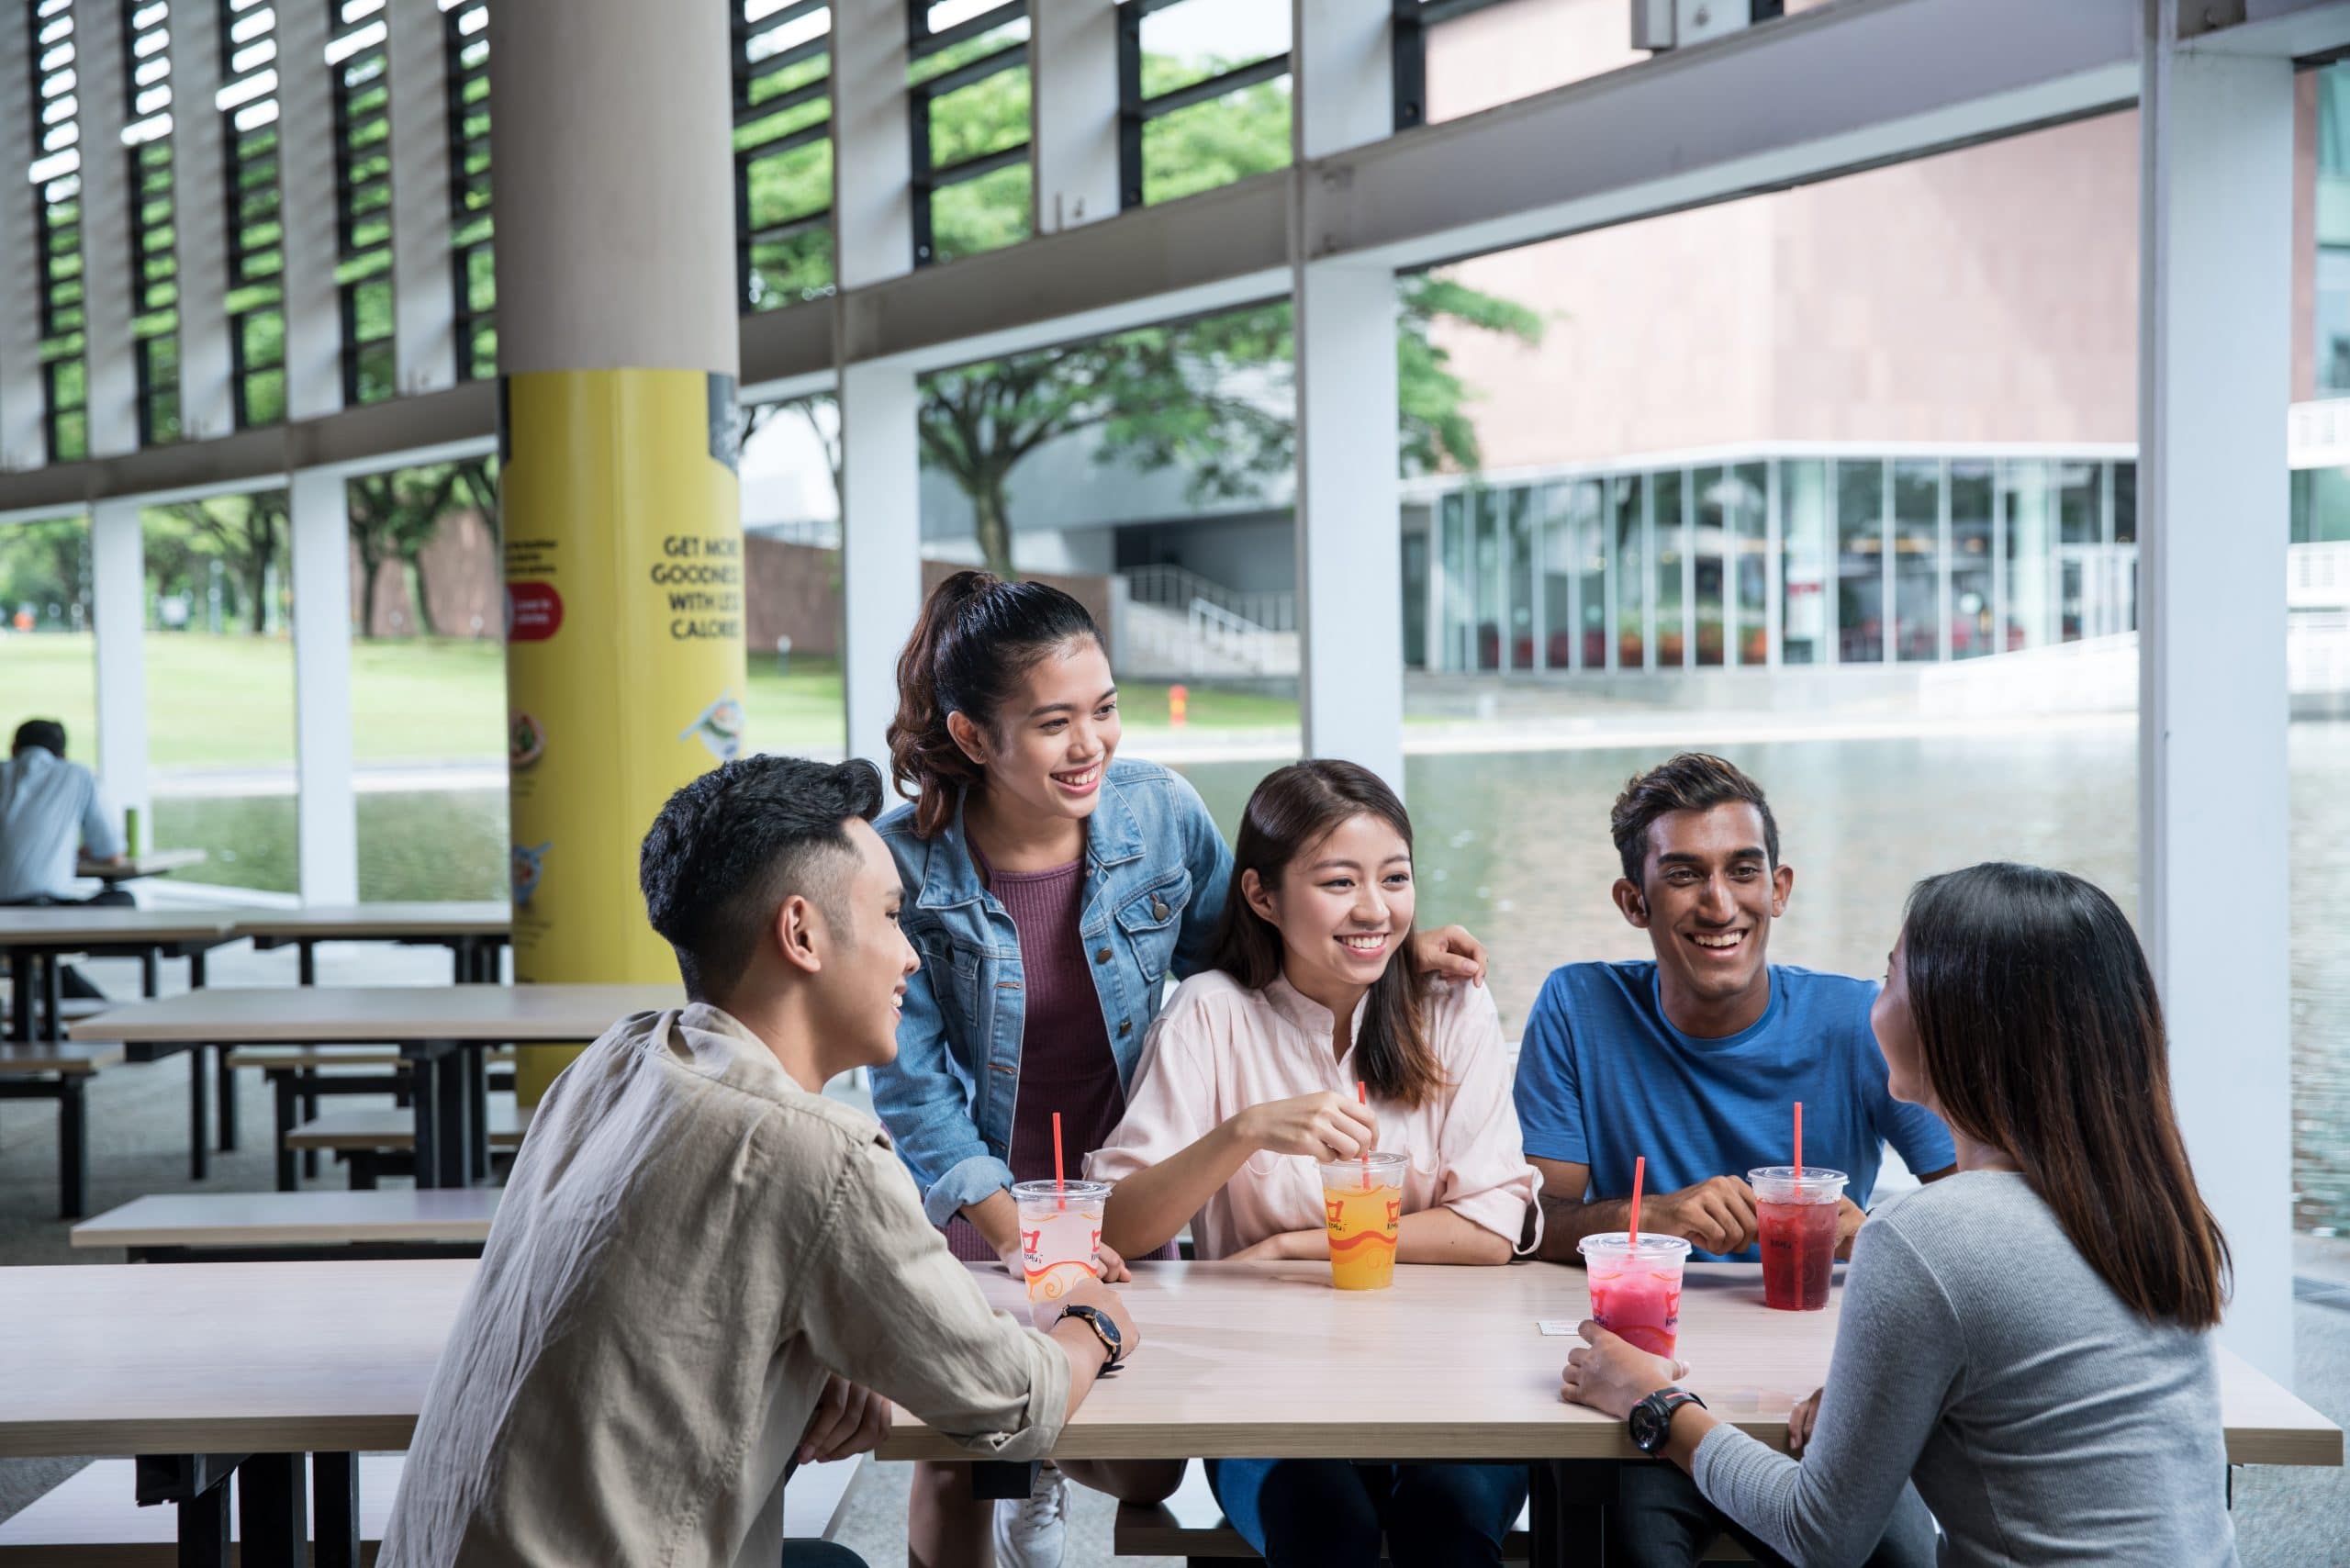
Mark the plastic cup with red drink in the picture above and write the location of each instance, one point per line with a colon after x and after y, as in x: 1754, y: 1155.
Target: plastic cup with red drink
x: 1636, y: 1286
x: 1795, y: 1211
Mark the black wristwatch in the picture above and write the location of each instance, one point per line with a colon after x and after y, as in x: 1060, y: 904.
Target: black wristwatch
x: 1093, y: 1317
x: 1652, y: 1418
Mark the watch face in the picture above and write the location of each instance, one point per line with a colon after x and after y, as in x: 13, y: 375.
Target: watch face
x: 1644, y: 1427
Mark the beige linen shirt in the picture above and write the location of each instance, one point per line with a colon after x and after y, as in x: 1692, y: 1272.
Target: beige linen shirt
x: 1217, y: 1048
x: 689, y: 1243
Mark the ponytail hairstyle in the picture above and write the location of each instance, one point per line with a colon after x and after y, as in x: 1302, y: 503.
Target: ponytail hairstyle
x: 975, y: 637
x: 1292, y: 810
x: 2043, y: 1036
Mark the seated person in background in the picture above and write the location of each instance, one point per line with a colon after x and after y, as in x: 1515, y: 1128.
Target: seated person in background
x: 703, y: 1271
x: 1249, y: 1077
x: 52, y: 813
x: 1694, y: 1059
x: 2025, y: 1342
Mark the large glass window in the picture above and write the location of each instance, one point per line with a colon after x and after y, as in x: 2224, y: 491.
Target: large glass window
x: 1557, y: 545
x: 783, y: 150
x: 1203, y: 90
x: 1802, y: 570
x: 2331, y: 316
x: 1708, y: 541
x: 2084, y: 565
x: 1860, y: 563
x: 2027, y: 508
x: 356, y: 59
x: 1525, y: 612
x: 1587, y: 534
x: 1459, y: 604
x: 1671, y: 536
x: 248, y: 105
x: 1486, y: 563
x: 472, y: 269
x: 1631, y: 572
x: 970, y: 91
x: 1917, y: 561
x: 1746, y: 515
x: 155, y: 265
x: 1973, y: 576
x: 53, y: 57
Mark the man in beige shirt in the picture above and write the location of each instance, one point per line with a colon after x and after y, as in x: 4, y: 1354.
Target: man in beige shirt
x: 703, y: 1271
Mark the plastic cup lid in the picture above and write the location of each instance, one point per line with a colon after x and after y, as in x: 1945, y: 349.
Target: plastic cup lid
x: 1031, y: 1191
x: 1381, y: 1163
x: 1619, y: 1244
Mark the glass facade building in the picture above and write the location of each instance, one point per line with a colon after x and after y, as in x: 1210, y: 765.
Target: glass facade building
x: 1773, y: 557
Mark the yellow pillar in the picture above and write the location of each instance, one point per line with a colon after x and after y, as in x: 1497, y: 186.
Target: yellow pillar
x: 622, y: 513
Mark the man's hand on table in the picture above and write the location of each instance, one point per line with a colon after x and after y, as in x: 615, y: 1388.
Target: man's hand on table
x: 1715, y: 1215
x: 1287, y: 1246
x: 847, y: 1419
x: 1611, y: 1376
x: 1849, y: 1216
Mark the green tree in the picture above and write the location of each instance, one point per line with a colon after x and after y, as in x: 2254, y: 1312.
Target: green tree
x: 1212, y: 397
x: 42, y: 563
x: 394, y: 516
x: 247, y: 535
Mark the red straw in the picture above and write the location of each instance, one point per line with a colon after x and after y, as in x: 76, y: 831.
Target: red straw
x: 1639, y: 1175
x: 1057, y: 1193
x: 1362, y: 1097
x: 1798, y: 1137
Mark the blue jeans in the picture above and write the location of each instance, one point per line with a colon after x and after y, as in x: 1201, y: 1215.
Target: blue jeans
x: 1331, y: 1513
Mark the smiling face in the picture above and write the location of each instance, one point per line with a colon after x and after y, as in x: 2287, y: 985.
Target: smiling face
x: 1707, y: 897
x: 1051, y: 741
x: 866, y: 961
x: 1343, y: 909
x: 1896, y: 1035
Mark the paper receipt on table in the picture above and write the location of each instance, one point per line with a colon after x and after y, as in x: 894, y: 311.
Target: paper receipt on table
x: 1556, y: 1327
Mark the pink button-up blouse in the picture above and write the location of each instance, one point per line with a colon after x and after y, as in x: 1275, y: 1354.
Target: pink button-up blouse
x: 1217, y: 1048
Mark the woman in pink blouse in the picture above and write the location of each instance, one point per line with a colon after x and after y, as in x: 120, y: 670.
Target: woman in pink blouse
x: 1247, y: 1082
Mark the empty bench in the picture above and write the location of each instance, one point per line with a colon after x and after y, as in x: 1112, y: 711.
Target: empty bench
x: 1191, y: 1524
x: 59, y: 1072
x: 300, y: 1076
x: 228, y: 1227
x: 377, y: 1141
x: 92, y: 1518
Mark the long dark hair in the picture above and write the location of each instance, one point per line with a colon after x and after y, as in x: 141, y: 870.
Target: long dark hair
x: 1292, y: 811
x: 2043, y: 1036
x: 977, y: 635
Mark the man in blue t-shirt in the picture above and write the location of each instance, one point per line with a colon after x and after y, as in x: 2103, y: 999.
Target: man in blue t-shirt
x: 1695, y: 1060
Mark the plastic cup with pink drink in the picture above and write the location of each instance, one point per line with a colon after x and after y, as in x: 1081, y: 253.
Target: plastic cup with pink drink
x: 1636, y: 1286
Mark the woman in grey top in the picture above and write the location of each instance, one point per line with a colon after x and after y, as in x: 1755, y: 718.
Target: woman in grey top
x: 2025, y: 1339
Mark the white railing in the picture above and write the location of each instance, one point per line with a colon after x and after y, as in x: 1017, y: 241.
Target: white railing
x: 1177, y: 588
x: 1235, y: 636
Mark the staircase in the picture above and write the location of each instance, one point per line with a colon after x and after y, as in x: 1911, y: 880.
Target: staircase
x: 1172, y: 625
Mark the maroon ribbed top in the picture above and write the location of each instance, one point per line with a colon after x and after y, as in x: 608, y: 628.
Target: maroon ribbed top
x: 1066, y: 1064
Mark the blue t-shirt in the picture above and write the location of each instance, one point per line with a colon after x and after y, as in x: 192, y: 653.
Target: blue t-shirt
x: 1603, y: 1076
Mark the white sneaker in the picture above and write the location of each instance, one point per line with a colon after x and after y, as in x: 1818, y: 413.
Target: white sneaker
x: 1032, y: 1532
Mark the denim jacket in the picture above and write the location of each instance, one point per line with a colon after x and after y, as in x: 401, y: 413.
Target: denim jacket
x: 1155, y: 871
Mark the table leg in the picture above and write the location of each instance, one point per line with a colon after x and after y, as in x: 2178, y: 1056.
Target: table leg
x: 151, y: 973
x: 334, y: 1502
x: 308, y: 1078
x: 454, y: 1153
x: 199, y: 1116
x: 73, y: 1149
x: 1000, y: 1479
x: 273, y: 1523
x: 204, y: 1527
x: 289, y: 1101
x: 1569, y: 1512
x: 196, y: 972
x: 52, y: 997
x: 306, y: 964
x: 476, y: 1067
x: 20, y: 995
x: 227, y: 1076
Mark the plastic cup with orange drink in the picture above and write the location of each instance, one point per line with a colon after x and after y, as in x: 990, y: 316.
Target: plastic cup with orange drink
x: 1362, y: 1203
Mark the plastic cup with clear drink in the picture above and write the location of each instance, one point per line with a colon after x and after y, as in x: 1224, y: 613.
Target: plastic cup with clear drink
x: 1795, y: 1211
x: 1636, y: 1286
x: 1060, y: 1228
x: 1362, y: 1202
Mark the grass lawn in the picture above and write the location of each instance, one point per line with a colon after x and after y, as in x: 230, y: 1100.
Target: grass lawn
x: 227, y: 701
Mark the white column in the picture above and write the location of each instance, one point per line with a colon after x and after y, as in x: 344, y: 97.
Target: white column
x: 1349, y: 521
x: 424, y: 300
x: 880, y: 450
x: 105, y: 228
x: 2216, y: 211
x: 1073, y: 116
x: 119, y: 580
x: 199, y: 220
x: 22, y: 401
x: 306, y: 176
x: 880, y: 545
x: 326, y: 817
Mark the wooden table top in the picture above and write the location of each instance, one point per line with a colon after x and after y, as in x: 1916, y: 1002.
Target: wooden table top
x: 282, y: 1219
x: 63, y: 927
x: 155, y: 863
x: 1239, y: 1359
x: 364, y: 921
x: 367, y: 1015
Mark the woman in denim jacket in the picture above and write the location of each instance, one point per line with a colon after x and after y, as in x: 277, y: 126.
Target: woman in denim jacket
x: 1052, y: 891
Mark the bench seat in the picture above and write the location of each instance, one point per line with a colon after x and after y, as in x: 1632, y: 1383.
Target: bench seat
x: 92, y: 1520
x: 390, y: 1130
x: 399, y: 1221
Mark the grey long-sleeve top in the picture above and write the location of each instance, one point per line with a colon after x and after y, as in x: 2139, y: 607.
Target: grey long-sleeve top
x: 1981, y: 1356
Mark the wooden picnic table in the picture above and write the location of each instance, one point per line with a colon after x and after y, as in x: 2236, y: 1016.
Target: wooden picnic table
x: 442, y: 1030
x: 1239, y: 1359
x: 473, y: 932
